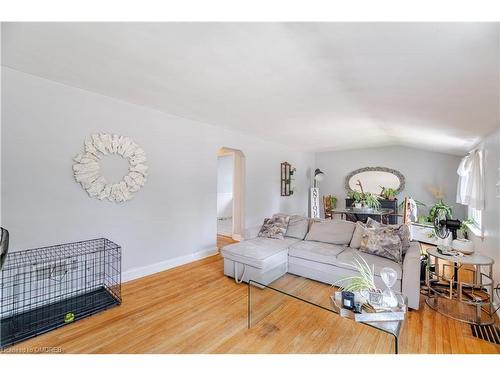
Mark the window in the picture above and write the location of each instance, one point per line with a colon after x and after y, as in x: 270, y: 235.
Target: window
x: 477, y: 216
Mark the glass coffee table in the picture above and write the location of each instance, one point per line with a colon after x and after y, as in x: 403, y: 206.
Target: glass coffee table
x: 263, y: 300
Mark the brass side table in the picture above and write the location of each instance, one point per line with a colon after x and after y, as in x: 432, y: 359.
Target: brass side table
x: 465, y: 292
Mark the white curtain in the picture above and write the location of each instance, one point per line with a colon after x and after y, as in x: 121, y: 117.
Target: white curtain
x: 470, y: 187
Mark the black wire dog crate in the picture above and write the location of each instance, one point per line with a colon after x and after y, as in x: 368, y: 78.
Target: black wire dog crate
x: 43, y: 289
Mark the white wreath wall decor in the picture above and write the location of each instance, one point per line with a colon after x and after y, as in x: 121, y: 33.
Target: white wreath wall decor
x: 87, y: 170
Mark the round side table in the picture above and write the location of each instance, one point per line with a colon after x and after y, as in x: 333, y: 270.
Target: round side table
x: 461, y: 287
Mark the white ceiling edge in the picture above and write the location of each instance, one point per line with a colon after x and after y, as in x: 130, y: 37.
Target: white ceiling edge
x: 395, y: 145
x: 308, y: 86
x: 152, y: 108
x: 296, y: 149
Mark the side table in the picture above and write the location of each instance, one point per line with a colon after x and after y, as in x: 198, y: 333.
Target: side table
x: 467, y: 298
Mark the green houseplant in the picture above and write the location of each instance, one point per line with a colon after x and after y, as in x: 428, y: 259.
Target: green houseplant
x: 388, y: 193
x: 363, y: 282
x: 464, y: 226
x: 356, y: 196
x: 440, y: 209
x: 333, y: 201
x: 365, y: 199
x: 371, y: 201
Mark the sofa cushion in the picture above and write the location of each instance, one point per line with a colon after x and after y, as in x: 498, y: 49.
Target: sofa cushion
x: 346, y: 259
x: 257, y: 251
x: 316, y: 251
x: 357, y: 235
x: 337, y: 232
x: 403, y: 230
x: 274, y: 227
x: 298, y: 227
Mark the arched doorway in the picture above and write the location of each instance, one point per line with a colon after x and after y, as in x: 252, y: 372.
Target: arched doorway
x: 230, y: 193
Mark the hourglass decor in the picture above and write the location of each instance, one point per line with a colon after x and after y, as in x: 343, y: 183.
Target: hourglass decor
x: 389, y: 277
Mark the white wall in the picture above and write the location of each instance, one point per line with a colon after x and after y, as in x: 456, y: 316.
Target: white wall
x: 225, y: 167
x: 421, y: 169
x: 1, y: 67
x: 44, y: 125
x: 490, y: 244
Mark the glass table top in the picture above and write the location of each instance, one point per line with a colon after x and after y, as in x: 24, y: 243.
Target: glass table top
x: 264, y: 299
x: 364, y: 211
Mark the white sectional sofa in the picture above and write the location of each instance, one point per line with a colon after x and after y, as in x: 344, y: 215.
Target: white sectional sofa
x: 265, y: 259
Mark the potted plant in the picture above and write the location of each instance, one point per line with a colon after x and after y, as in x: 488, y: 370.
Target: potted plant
x: 440, y: 209
x: 362, y: 199
x: 333, y: 201
x: 388, y: 193
x: 464, y: 226
x: 364, y: 283
x: 371, y: 201
x: 366, y: 200
x: 357, y: 197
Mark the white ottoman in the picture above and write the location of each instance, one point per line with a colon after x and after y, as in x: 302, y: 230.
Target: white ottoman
x: 260, y: 259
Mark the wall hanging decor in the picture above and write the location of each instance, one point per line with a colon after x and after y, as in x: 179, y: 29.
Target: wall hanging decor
x: 87, y: 170
x: 286, y: 179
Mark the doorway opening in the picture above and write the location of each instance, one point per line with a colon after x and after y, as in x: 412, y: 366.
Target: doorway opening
x: 230, y: 193
x: 225, y: 173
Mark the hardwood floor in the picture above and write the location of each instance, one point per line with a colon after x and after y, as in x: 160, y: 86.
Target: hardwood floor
x: 223, y: 241
x: 196, y: 309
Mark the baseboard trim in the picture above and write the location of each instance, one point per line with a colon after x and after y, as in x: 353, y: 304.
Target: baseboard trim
x: 136, y: 273
x: 237, y: 237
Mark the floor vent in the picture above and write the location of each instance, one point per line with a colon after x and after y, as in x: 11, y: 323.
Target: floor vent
x: 489, y: 333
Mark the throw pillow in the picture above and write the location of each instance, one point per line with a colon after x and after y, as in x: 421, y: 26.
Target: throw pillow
x: 274, y: 227
x: 383, y: 242
x: 337, y: 232
x: 404, y: 232
x: 357, y: 235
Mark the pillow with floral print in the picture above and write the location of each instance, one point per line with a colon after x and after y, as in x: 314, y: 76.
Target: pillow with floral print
x: 274, y: 227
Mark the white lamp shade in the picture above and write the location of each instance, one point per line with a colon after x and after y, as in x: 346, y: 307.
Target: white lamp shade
x: 319, y: 177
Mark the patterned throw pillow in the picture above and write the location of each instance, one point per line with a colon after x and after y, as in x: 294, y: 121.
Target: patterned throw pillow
x: 404, y: 232
x: 274, y: 227
x: 383, y: 242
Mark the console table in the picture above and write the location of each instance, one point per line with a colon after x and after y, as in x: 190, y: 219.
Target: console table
x: 385, y: 204
x: 463, y: 293
x: 381, y: 215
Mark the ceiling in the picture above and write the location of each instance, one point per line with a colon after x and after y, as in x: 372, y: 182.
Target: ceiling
x: 313, y: 86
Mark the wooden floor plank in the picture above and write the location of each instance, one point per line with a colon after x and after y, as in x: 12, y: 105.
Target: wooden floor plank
x: 196, y: 309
